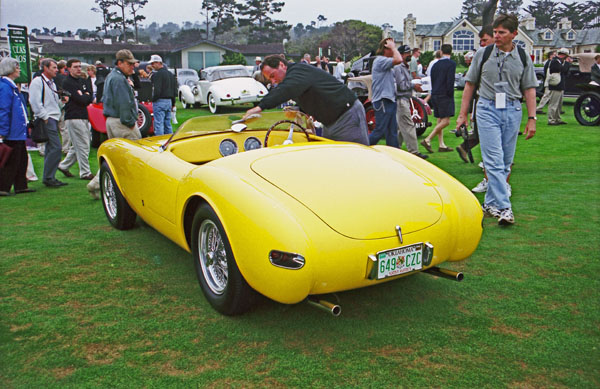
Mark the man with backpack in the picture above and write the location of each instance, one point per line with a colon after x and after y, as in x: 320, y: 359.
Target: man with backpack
x: 503, y: 80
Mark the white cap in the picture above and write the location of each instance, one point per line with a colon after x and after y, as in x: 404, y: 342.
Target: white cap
x: 258, y: 59
x: 563, y: 51
x: 155, y: 58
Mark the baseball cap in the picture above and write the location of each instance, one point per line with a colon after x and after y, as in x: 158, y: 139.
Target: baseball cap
x: 404, y: 49
x: 155, y: 58
x: 258, y: 59
x: 125, y: 55
x: 563, y: 51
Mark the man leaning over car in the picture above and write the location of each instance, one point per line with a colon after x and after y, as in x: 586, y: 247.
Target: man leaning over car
x: 319, y: 94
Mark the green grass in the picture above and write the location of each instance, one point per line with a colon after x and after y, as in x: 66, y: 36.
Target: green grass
x: 85, y: 305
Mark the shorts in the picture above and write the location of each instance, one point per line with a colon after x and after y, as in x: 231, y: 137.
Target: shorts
x: 443, y: 106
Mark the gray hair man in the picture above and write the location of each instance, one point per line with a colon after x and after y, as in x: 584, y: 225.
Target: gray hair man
x: 46, y: 105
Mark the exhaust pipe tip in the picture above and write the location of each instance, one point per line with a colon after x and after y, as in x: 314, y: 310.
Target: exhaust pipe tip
x: 445, y: 273
x: 334, y: 309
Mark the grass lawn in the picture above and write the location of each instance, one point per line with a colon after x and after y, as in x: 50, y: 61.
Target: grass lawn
x: 85, y: 305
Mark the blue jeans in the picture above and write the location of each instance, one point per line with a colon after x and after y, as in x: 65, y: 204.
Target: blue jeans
x: 162, y: 117
x: 53, y: 151
x: 498, y: 131
x: 385, y: 123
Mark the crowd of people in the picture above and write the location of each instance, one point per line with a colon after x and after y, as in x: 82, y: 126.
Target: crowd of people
x: 499, y: 76
x: 57, y: 98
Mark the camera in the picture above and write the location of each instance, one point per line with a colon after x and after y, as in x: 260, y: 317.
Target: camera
x: 63, y: 93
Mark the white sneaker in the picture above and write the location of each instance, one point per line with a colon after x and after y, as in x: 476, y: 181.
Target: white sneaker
x: 481, y: 187
x: 490, y: 210
x: 480, y: 165
x: 506, y: 217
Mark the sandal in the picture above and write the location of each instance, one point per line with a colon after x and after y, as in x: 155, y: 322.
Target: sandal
x: 427, y: 146
x: 445, y: 149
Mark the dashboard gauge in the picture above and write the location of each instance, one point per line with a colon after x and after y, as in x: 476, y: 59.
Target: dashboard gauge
x: 228, y: 147
x: 251, y: 143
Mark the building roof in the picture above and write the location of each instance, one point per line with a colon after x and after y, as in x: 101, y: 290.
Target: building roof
x: 559, y: 37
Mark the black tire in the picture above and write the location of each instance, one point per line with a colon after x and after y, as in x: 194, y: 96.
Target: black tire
x: 144, y: 120
x: 117, y: 210
x: 587, y: 109
x: 221, y: 281
x: 422, y: 123
x: 212, y: 105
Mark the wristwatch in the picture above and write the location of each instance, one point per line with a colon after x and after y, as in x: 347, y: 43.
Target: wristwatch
x: 533, y: 117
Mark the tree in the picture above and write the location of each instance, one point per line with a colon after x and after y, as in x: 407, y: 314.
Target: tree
x: 221, y: 12
x: 353, y: 37
x: 508, y: 7
x: 134, y: 8
x: 320, y: 20
x: 545, y: 12
x: 256, y: 13
x: 472, y: 10
x: 233, y: 58
x: 107, y: 15
x: 120, y: 20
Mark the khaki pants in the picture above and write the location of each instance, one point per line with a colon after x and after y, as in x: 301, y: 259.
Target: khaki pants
x: 406, y: 127
x: 79, y: 133
x: 555, y: 106
x: 114, y: 129
x: 544, y: 100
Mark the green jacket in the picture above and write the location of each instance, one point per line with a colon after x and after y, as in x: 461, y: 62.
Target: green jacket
x: 118, y: 99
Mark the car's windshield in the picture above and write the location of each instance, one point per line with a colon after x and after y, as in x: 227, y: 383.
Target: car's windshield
x: 215, y: 74
x: 203, y: 125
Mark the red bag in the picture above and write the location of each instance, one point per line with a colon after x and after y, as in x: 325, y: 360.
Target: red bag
x: 5, y: 151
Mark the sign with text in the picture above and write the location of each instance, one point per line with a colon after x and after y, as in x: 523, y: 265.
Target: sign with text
x: 19, y: 50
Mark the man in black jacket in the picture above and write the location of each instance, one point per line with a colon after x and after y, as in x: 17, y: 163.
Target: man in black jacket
x: 560, y: 64
x: 163, y: 96
x: 76, y: 120
x: 318, y: 94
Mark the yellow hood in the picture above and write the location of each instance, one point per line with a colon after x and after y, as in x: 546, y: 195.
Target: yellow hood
x: 359, y: 192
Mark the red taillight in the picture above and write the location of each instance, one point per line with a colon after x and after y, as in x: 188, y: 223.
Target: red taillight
x: 286, y: 260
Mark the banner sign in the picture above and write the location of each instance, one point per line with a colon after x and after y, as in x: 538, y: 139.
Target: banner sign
x: 19, y: 50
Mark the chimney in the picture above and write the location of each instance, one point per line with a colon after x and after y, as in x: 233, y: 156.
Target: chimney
x: 107, y: 41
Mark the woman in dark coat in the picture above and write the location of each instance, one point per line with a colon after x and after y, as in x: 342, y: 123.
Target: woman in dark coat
x: 13, y: 129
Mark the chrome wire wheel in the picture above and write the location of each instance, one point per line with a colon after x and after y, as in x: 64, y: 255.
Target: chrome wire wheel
x: 109, y: 197
x: 212, y: 257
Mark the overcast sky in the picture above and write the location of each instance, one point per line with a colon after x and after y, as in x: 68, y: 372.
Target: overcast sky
x: 73, y: 14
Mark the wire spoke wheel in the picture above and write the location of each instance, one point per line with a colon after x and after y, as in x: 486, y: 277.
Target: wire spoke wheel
x: 213, y: 257
x: 109, y: 197
x: 587, y: 109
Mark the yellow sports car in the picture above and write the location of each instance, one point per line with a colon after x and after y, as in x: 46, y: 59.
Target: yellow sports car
x: 267, y: 206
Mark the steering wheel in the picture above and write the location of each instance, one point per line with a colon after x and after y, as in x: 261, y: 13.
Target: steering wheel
x: 291, y: 130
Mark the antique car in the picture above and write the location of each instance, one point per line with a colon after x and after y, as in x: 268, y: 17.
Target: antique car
x: 587, y: 105
x: 576, y: 75
x: 362, y: 87
x: 268, y: 207
x: 221, y: 86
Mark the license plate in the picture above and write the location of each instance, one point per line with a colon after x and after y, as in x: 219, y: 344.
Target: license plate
x: 400, y: 260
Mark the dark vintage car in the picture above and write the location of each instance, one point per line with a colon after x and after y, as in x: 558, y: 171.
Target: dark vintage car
x: 574, y: 77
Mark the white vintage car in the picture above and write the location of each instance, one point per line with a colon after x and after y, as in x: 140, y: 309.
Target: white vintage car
x: 219, y: 86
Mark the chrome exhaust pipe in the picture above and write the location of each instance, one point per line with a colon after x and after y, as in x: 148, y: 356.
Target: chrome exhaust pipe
x: 334, y: 309
x: 445, y: 273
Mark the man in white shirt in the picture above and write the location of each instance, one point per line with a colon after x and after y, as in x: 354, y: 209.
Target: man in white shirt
x: 46, y: 105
